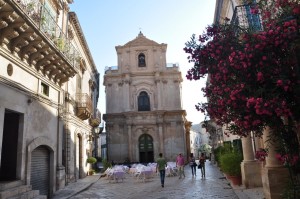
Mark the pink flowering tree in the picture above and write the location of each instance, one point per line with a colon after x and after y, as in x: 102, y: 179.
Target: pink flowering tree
x: 253, y: 77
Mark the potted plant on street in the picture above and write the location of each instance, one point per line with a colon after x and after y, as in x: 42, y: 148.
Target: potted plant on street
x: 231, y: 166
x: 91, y: 161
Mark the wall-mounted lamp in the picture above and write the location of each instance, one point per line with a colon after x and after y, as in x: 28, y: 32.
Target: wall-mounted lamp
x: 98, y: 130
x: 29, y: 101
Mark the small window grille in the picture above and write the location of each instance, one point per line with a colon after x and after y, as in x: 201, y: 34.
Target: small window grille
x: 44, y: 89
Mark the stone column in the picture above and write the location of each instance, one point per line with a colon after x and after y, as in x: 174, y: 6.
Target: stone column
x: 129, y: 142
x: 161, y: 138
x: 251, y: 169
x: 126, y: 92
x: 274, y: 175
x: 158, y: 87
x: 2, y: 114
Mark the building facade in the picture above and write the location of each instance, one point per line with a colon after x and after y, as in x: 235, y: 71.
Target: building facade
x: 200, y: 140
x: 49, y: 89
x: 144, y: 115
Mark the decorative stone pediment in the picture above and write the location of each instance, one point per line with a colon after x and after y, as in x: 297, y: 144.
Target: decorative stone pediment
x: 141, y: 40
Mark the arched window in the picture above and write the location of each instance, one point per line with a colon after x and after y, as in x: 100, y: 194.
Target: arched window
x: 143, y: 102
x: 142, y: 60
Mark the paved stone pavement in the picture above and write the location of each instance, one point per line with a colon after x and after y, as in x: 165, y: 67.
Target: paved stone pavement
x: 214, y: 186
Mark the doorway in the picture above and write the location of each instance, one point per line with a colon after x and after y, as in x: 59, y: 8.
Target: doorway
x: 40, y: 170
x: 8, y: 169
x: 146, y: 149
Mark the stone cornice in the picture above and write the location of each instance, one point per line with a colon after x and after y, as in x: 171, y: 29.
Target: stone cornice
x: 20, y: 34
x: 73, y: 18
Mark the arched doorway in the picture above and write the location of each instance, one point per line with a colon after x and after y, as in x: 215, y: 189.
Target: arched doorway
x: 40, y: 170
x: 146, y: 148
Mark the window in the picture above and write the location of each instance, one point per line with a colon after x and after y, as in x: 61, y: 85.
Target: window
x: 44, y: 89
x: 142, y: 60
x: 143, y: 102
x: 253, y: 19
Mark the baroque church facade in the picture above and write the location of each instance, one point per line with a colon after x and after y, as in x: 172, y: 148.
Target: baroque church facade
x: 144, y: 115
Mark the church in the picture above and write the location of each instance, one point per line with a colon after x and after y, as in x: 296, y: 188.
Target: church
x: 144, y: 115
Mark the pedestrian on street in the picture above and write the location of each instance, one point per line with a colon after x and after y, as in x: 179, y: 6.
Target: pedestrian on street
x: 193, y: 164
x: 180, y: 165
x: 202, y: 160
x: 161, y: 164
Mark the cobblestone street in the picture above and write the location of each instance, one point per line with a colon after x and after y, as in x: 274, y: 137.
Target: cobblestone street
x: 214, y: 186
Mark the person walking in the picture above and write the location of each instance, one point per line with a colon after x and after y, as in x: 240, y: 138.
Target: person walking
x: 193, y: 164
x: 180, y: 165
x: 161, y: 167
x: 202, y: 160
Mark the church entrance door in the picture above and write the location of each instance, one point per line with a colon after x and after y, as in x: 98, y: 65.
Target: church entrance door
x: 146, y: 148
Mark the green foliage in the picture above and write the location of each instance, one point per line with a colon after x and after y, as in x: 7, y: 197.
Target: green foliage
x: 91, y: 160
x: 291, y: 191
x: 91, y: 172
x: 231, y: 163
x: 205, y: 148
x: 219, y: 151
x: 106, y: 164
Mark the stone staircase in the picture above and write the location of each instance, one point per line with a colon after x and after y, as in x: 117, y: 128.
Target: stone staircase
x: 17, y: 190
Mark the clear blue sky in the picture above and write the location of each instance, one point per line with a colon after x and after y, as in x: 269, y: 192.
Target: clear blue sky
x: 108, y: 23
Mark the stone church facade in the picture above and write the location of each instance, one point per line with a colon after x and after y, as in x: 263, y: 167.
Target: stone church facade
x: 144, y: 115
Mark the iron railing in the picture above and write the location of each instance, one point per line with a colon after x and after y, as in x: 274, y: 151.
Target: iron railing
x: 45, y: 22
x: 83, y: 101
x: 243, y: 19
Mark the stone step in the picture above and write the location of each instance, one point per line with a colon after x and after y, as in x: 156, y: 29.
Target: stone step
x: 32, y: 194
x: 40, y: 197
x: 8, y: 185
x: 15, y: 191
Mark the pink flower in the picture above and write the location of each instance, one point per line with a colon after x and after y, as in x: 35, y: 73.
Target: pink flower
x: 260, y: 76
x: 254, y: 11
x: 261, y: 154
x: 279, y: 83
x: 296, y: 10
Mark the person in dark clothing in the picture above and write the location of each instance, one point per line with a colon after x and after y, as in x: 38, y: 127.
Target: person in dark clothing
x: 193, y: 164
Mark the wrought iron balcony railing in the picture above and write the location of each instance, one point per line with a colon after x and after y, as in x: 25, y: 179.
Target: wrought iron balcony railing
x: 243, y: 18
x: 24, y: 27
x: 84, y: 106
x: 46, y: 23
x: 95, y: 119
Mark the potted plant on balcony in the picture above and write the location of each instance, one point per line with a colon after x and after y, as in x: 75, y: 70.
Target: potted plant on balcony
x: 231, y: 166
x: 91, y: 161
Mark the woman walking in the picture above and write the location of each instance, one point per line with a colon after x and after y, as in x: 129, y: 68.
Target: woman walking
x: 202, y: 160
x: 193, y: 164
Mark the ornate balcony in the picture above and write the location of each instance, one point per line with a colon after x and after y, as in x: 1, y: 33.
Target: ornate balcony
x: 28, y: 31
x: 95, y: 120
x: 243, y: 18
x: 83, y: 105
